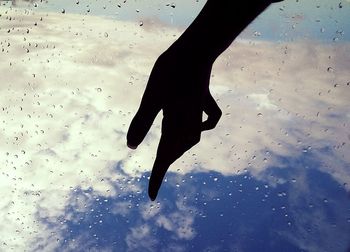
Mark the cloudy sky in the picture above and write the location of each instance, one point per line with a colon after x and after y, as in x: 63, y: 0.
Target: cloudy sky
x: 71, y: 80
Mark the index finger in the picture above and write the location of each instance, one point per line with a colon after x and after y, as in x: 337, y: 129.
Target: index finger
x: 178, y: 136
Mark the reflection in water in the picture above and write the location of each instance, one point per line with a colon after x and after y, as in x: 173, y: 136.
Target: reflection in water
x: 288, y: 209
x: 69, y: 92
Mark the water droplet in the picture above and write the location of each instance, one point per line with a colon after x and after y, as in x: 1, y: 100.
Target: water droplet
x: 330, y: 70
x: 260, y: 114
x: 106, y: 35
x: 257, y: 34
x: 99, y: 89
x: 341, y: 32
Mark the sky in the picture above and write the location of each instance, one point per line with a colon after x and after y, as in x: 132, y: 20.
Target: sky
x: 291, y: 19
x: 274, y: 174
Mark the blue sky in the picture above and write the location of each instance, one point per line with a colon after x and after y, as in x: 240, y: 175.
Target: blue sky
x: 322, y: 20
x: 273, y: 175
x: 325, y: 20
x: 222, y: 213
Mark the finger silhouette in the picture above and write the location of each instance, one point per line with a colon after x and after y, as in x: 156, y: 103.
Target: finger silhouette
x: 165, y: 157
x: 213, y: 111
x: 149, y: 108
x: 176, y: 139
x: 169, y: 150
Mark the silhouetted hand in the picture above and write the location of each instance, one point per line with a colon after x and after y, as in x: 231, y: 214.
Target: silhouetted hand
x: 178, y: 85
x: 179, y: 82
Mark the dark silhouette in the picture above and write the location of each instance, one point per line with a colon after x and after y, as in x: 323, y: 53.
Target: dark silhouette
x: 179, y: 82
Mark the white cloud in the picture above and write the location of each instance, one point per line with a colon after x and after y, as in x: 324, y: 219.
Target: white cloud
x: 141, y: 238
x: 69, y: 93
x: 150, y: 209
x: 165, y: 223
x: 179, y: 222
x: 121, y: 208
x: 263, y: 102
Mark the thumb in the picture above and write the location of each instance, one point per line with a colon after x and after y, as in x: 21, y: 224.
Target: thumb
x: 141, y: 123
x: 213, y: 111
x: 147, y: 112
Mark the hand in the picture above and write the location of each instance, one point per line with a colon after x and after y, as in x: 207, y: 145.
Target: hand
x: 178, y: 85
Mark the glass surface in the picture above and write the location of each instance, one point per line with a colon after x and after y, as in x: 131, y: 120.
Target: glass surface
x: 274, y: 175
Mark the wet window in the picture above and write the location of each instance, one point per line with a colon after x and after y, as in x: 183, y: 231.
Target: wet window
x: 273, y: 175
